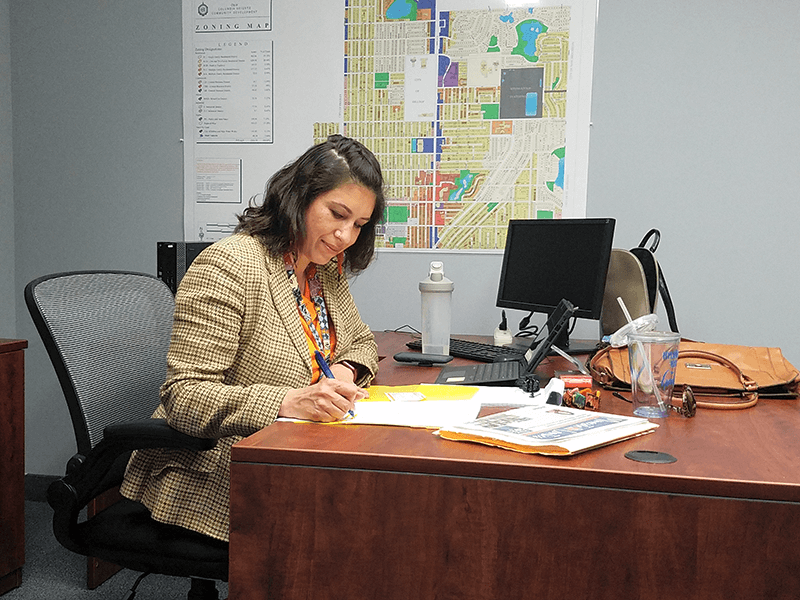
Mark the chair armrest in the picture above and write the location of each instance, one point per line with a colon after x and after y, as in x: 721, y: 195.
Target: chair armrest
x: 103, y: 467
x: 153, y: 433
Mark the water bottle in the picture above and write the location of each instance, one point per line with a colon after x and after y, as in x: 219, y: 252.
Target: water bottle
x: 437, y: 292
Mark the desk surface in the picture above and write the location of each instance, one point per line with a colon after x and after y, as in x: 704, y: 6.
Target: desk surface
x: 341, y: 511
x: 748, y: 453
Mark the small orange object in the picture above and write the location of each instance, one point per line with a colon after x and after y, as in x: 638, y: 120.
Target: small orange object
x: 576, y: 380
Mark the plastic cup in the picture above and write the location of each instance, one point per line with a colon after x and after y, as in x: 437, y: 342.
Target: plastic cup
x: 653, y: 357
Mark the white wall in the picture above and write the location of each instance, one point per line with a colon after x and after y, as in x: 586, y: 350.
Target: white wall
x: 694, y: 132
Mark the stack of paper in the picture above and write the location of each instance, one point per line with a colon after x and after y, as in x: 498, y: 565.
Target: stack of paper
x: 432, y: 406
x: 429, y: 406
x: 547, y: 429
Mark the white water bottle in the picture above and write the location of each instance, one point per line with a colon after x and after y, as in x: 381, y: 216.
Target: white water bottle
x: 437, y: 293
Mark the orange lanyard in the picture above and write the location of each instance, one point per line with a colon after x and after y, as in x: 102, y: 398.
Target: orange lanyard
x: 313, y: 313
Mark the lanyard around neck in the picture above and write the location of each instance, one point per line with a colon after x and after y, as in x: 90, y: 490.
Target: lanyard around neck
x: 321, y: 338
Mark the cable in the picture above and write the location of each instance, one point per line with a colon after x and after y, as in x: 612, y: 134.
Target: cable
x: 526, y: 329
x: 574, y: 322
x: 401, y: 328
x: 132, y: 592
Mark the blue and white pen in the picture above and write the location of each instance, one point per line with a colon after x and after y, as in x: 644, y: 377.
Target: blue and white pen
x: 326, y: 370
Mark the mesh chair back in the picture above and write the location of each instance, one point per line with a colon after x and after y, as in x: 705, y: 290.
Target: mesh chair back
x: 107, y: 335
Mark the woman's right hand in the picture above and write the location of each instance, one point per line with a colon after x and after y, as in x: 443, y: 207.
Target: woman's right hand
x: 327, y: 400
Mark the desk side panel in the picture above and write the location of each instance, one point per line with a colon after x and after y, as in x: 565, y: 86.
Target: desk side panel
x: 12, y: 463
x: 305, y: 532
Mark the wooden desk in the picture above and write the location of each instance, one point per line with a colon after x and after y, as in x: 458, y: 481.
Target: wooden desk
x: 12, y: 462
x: 379, y: 512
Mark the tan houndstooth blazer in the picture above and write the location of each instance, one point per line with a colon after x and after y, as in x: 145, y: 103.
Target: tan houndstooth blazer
x: 237, y: 346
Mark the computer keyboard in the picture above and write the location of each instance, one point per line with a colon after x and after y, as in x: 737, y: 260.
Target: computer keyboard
x: 475, y: 350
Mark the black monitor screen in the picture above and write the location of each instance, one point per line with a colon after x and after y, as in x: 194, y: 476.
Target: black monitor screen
x: 547, y: 260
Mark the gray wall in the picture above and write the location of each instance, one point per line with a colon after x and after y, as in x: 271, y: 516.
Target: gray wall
x: 8, y: 292
x: 97, y: 94
x: 694, y: 132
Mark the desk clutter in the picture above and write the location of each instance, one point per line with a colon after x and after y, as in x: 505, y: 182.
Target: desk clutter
x: 720, y: 375
x: 550, y: 421
x: 566, y: 417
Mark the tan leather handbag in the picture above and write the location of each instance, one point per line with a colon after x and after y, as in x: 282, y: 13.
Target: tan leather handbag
x: 720, y: 375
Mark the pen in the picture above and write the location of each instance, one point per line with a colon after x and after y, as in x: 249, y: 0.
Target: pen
x: 326, y: 370
x: 323, y: 364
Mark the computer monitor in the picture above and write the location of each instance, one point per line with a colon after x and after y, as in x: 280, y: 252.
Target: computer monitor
x: 546, y: 260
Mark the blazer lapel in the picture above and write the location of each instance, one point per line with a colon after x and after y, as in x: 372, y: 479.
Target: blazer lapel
x: 333, y: 300
x: 286, y: 306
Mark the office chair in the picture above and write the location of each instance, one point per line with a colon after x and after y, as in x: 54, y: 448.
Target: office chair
x: 107, y: 335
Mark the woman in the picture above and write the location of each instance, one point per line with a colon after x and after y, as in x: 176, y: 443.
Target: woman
x: 250, y: 313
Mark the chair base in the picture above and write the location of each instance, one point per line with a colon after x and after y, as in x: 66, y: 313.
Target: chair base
x: 182, y: 553
x: 203, y: 589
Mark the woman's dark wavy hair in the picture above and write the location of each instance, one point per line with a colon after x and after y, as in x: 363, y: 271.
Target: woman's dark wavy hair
x: 279, y: 220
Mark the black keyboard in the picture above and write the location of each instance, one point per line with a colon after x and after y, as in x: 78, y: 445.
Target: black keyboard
x: 474, y: 350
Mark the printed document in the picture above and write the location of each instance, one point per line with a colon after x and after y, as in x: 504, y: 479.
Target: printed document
x: 548, y: 429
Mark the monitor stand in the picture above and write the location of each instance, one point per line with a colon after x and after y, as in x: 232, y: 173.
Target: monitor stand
x: 575, y: 346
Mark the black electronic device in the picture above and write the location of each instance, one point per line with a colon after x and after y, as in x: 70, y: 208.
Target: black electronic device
x: 512, y: 372
x: 546, y: 260
x: 477, y: 350
x: 423, y: 360
x: 173, y: 258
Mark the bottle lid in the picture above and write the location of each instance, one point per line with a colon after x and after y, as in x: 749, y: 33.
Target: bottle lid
x: 436, y: 281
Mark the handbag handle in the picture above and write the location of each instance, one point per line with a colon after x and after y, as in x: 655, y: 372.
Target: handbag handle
x: 749, y: 386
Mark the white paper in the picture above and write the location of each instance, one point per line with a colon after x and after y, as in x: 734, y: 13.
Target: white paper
x: 514, y: 396
x: 430, y: 414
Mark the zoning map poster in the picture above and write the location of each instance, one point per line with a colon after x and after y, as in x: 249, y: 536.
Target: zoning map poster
x: 478, y: 113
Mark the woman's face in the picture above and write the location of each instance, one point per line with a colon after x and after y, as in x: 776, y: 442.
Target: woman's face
x: 333, y: 222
